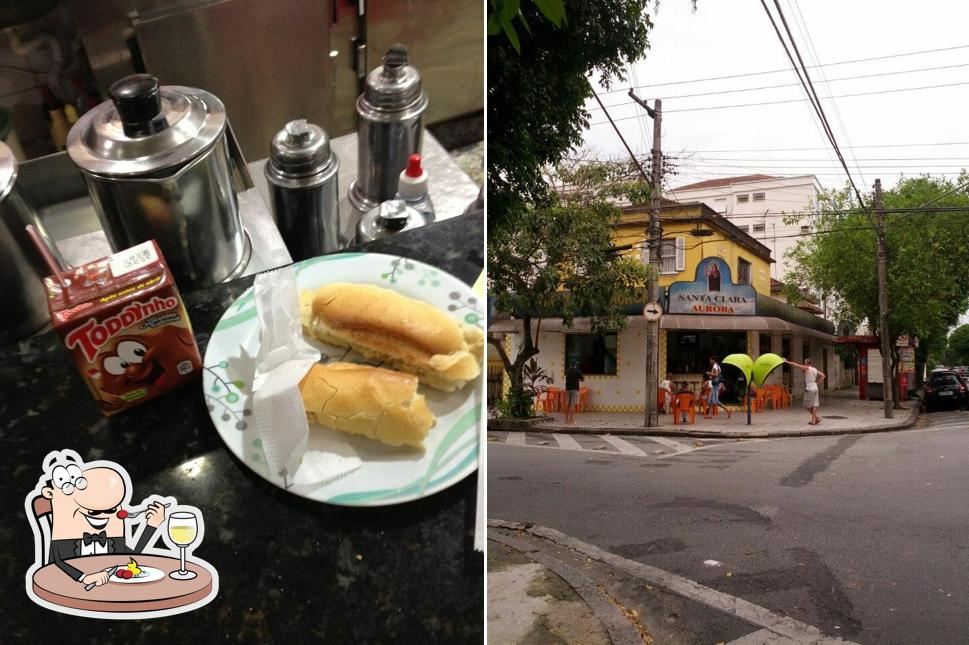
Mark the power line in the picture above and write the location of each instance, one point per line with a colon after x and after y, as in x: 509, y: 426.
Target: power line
x: 771, y: 87
x: 881, y: 145
x: 776, y: 71
x: 781, y: 102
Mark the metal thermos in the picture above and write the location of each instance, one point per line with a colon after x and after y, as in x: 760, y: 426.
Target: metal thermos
x: 302, y: 174
x: 392, y: 216
x: 22, y: 268
x: 156, y: 162
x: 389, y: 128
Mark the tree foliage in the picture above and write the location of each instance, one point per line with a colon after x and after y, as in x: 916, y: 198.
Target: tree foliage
x: 928, y: 286
x: 555, y: 261
x: 536, y: 92
x: 957, y: 348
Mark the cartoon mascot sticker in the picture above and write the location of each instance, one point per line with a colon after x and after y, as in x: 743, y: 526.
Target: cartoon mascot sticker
x: 89, y: 562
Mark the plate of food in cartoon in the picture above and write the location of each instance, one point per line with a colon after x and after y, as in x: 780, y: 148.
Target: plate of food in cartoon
x: 132, y: 573
x: 401, y: 344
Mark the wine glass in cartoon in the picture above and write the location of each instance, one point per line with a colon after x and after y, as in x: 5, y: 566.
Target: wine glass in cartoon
x: 183, y: 530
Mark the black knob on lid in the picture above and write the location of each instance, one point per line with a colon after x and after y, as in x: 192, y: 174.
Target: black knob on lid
x: 395, y: 58
x: 138, y: 102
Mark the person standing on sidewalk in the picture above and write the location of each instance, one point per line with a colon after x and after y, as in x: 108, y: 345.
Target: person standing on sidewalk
x: 572, y: 377
x: 668, y: 399
x: 715, y: 380
x: 812, y: 398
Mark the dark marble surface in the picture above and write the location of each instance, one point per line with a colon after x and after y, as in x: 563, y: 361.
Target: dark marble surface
x: 291, y: 570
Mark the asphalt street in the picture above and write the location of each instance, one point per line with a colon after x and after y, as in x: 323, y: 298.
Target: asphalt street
x: 863, y: 536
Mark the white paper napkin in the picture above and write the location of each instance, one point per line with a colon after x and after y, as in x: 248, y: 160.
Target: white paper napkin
x: 283, y: 360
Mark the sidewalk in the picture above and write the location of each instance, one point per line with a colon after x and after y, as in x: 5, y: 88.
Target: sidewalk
x: 546, y: 587
x: 841, y: 413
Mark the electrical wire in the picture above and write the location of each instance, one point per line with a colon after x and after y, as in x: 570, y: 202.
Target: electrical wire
x: 784, y: 101
x: 777, y: 71
x: 782, y: 85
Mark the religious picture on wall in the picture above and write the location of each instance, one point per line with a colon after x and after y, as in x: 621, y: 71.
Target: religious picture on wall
x: 713, y: 277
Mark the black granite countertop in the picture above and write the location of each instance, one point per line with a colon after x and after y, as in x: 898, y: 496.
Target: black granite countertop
x: 291, y: 570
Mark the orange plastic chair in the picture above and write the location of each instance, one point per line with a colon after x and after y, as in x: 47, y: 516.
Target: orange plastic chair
x: 757, y: 403
x: 553, y: 395
x: 683, y: 403
x: 583, y: 399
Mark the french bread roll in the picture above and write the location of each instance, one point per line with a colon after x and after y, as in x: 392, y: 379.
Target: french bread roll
x: 402, y: 332
x: 370, y: 401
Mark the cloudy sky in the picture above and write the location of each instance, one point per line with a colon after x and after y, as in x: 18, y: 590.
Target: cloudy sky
x: 736, y: 38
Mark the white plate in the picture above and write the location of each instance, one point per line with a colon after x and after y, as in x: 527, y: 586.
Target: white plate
x: 148, y: 574
x: 388, y: 475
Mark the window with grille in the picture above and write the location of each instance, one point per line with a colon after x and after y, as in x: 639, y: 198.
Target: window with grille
x: 743, y: 199
x: 805, y: 230
x: 759, y: 197
x: 744, y: 228
x: 759, y: 228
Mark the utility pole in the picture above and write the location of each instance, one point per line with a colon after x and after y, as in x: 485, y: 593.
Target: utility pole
x: 887, y: 391
x: 654, y: 233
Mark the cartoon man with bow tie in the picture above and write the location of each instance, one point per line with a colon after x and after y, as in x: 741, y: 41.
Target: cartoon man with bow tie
x: 86, y: 513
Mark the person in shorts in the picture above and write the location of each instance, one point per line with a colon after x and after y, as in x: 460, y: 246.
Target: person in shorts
x: 572, y: 378
x: 812, y: 397
x: 715, y: 381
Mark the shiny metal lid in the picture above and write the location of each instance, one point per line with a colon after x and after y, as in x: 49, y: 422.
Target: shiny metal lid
x: 145, y: 128
x: 391, y: 216
x: 8, y: 170
x: 300, y: 148
x: 395, y: 84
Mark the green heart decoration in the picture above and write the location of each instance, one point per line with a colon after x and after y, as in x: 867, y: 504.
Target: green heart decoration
x: 755, y: 371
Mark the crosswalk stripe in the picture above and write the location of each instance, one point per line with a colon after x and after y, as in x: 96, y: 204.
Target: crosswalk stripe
x: 515, y: 439
x: 567, y: 442
x: 622, y: 445
x: 669, y: 443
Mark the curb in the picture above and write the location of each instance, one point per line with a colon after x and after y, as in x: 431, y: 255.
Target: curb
x: 532, y: 426
x: 620, y: 630
x: 780, y: 628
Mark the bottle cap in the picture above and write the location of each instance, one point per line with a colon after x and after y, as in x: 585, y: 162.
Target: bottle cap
x: 412, y: 183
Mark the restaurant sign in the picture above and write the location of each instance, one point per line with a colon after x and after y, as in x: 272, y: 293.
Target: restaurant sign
x: 712, y: 292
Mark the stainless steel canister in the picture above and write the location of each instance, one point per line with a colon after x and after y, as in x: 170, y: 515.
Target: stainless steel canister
x: 156, y: 163
x: 389, y: 128
x: 22, y: 268
x: 302, y: 173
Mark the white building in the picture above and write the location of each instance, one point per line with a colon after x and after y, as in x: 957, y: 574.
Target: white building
x: 757, y: 204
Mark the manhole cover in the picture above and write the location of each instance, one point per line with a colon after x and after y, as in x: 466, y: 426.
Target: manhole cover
x: 834, y: 416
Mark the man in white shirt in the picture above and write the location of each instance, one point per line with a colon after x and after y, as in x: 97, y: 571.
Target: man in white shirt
x: 812, y: 378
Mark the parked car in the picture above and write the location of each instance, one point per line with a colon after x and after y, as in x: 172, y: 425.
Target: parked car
x: 946, y: 388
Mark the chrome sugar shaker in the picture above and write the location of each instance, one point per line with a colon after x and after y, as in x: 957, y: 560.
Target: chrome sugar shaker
x: 302, y: 173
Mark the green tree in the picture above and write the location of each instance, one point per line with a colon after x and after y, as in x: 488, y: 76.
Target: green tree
x: 957, y: 350
x: 556, y: 261
x: 928, y: 287
x: 537, y: 89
